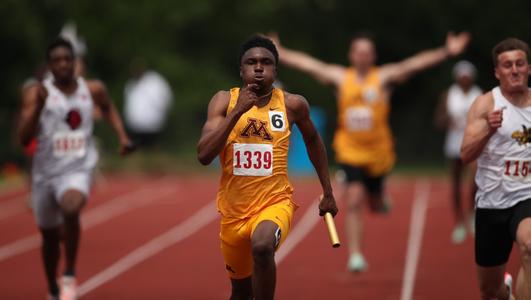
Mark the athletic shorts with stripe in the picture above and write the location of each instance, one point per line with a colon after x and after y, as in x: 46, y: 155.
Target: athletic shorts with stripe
x: 236, y: 236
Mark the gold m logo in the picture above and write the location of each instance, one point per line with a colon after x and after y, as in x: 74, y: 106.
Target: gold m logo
x: 253, y: 129
x: 522, y: 137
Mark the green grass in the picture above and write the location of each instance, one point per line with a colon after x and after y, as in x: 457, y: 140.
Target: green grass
x: 186, y: 163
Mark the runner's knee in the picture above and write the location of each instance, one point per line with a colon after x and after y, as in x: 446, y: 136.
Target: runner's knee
x: 50, y: 236
x: 523, y: 238
x: 525, y: 249
x: 355, y: 206
x: 71, y: 203
x: 242, y: 289
x: 355, y: 196
x: 263, y: 251
x: 263, y: 242
x: 376, y: 202
x: 241, y: 294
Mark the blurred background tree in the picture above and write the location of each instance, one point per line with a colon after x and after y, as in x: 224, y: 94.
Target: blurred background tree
x: 194, y: 44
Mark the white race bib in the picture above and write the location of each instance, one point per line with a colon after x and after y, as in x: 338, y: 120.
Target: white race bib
x: 252, y: 159
x: 517, y: 170
x: 69, y: 144
x: 277, y: 121
x: 358, y: 119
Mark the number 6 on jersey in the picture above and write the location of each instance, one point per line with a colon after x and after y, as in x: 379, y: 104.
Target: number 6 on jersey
x: 277, y: 121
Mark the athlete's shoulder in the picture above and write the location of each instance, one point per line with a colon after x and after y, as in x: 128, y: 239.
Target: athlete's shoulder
x: 41, y: 90
x: 97, y: 89
x: 483, y: 104
x: 219, y: 102
x: 347, y: 73
x: 295, y: 101
x: 485, y: 98
x: 221, y: 96
x: 297, y: 106
x: 36, y: 89
x: 95, y: 85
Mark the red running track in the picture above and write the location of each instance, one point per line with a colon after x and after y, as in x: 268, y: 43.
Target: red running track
x: 157, y: 238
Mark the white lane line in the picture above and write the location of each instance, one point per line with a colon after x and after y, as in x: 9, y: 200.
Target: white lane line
x: 416, y: 230
x: 112, y: 208
x: 18, y: 204
x: 299, y: 232
x: 13, y: 206
x: 200, y: 219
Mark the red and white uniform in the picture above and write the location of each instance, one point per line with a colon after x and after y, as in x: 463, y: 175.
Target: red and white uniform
x: 65, y: 154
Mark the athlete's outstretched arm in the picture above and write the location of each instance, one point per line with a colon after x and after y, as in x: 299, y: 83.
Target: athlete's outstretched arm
x: 326, y: 73
x: 219, y: 124
x: 32, y: 103
x: 103, y: 101
x: 482, y: 123
x: 399, y: 72
x: 300, y: 110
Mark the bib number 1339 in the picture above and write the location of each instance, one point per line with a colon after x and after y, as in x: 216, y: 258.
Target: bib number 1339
x: 252, y: 159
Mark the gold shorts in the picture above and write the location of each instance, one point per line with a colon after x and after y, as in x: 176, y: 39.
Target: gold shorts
x: 236, y: 236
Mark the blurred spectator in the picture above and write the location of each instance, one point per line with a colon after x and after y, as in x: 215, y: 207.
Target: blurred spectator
x: 451, y: 115
x: 148, y: 97
x: 69, y: 32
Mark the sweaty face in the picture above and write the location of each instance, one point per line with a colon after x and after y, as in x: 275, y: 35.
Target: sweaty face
x: 512, y: 70
x: 362, y: 54
x: 258, y: 66
x: 61, y: 64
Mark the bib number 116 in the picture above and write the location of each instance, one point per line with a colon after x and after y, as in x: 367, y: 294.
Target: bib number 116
x: 516, y: 168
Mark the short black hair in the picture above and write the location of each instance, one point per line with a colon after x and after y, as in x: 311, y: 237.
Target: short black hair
x: 56, y: 43
x: 261, y: 41
x: 509, y: 44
